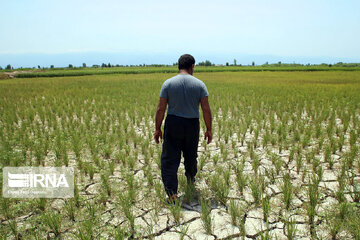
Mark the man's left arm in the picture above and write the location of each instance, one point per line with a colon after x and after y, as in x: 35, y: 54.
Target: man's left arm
x: 160, y: 113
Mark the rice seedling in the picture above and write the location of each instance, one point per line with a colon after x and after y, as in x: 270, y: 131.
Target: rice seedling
x: 241, y: 225
x: 340, y: 195
x: 119, y: 233
x: 14, y: 229
x: 234, y: 212
x: 149, y: 176
x: 105, y: 183
x: 318, y: 131
x: 126, y: 204
x: 219, y: 188
x: 202, y: 159
x: 313, y: 196
x: 278, y: 162
x: 255, y: 187
x: 131, y: 161
x: 243, y: 136
x: 319, y: 172
x: 226, y: 175
x: 96, y: 160
x: 353, y: 222
x: 107, y: 151
x: 327, y: 153
x: 132, y: 187
x: 341, y: 142
x: 315, y: 164
x: 271, y: 175
x: 241, y: 178
x: 160, y: 193
x: 183, y: 231
x: 333, y: 224
x: 91, y: 170
x: 255, y: 163
x: 306, y: 140
x: 175, y: 210
x: 86, y: 231
x: 69, y: 206
x: 53, y: 221
x: 343, y: 210
x: 320, y: 143
x: 349, y: 160
x: 333, y: 145
x: 6, y: 208
x: 265, y: 207
x: 111, y: 167
x: 41, y: 203
x: 77, y: 145
x: 189, y: 192
x: 215, y: 159
x: 353, y: 137
x: 299, y: 163
x: 263, y: 183
x: 205, y: 216
x: 309, y: 157
x: 287, y: 190
x: 291, y: 229
x: 265, y: 234
x: 291, y: 154
x: 298, y: 150
x: 296, y: 136
x: 76, y: 194
x: 250, y: 147
x: 354, y: 188
x: 222, y: 148
x: 158, y: 162
x: 304, y: 174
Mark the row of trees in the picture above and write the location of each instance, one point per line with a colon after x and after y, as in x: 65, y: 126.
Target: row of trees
x: 205, y: 63
x: 8, y: 67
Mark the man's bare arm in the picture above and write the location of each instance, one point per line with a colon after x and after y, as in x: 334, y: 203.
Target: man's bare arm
x: 160, y: 113
x: 205, y: 106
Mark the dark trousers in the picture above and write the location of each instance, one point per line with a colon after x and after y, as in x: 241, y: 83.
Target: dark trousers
x: 180, y: 135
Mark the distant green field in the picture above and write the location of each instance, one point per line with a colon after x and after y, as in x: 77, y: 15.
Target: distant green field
x: 173, y: 69
x: 284, y: 162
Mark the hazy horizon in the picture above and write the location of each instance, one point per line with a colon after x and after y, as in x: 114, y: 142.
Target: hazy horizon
x: 95, y: 58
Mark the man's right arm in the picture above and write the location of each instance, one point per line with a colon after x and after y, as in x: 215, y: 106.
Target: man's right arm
x: 159, y: 118
x: 205, y: 106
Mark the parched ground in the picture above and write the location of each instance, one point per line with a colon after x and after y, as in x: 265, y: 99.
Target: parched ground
x: 284, y: 162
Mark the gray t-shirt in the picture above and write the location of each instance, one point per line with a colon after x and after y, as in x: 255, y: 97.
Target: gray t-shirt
x: 183, y: 93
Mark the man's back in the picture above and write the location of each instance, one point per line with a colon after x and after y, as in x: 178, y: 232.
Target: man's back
x: 183, y: 93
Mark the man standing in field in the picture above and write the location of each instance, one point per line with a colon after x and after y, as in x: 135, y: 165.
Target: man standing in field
x: 183, y: 93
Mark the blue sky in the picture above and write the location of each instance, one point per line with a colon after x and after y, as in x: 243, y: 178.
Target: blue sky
x: 134, y: 32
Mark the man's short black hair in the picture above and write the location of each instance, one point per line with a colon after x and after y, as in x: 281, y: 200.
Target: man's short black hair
x: 186, y: 61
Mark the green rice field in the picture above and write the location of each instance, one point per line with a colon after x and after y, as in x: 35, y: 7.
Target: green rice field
x: 284, y: 162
